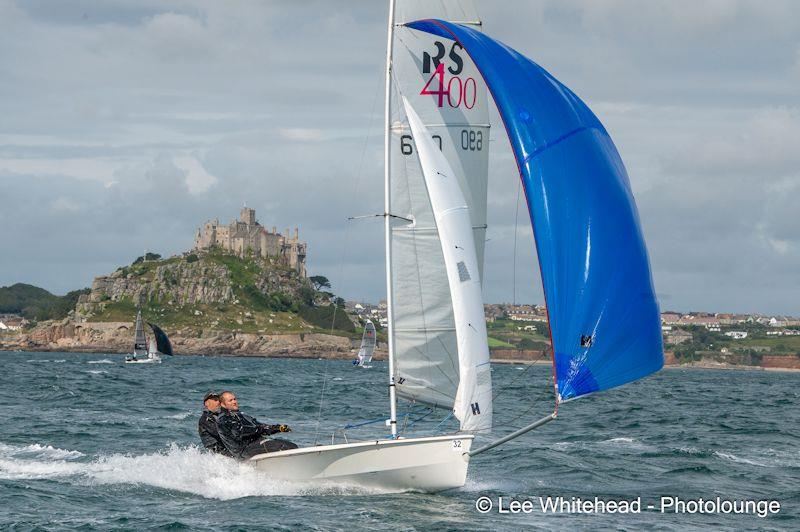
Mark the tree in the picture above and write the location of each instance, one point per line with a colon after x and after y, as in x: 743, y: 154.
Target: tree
x: 147, y: 256
x: 320, y: 282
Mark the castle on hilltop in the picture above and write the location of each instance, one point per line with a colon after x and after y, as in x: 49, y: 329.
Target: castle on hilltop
x: 246, y: 236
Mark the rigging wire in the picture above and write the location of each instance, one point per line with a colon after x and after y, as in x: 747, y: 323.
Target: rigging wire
x: 515, y: 379
x: 344, y: 249
x: 504, y: 388
x: 514, y: 262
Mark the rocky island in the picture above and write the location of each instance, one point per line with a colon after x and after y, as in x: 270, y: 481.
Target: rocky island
x: 209, y: 302
x: 242, y: 290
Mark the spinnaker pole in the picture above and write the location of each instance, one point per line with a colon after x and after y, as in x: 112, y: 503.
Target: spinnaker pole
x: 387, y: 218
x: 513, y: 435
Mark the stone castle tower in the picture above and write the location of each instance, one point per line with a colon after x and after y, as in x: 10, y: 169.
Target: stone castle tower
x: 246, y: 236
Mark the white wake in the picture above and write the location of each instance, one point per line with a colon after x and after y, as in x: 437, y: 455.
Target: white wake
x: 185, y: 469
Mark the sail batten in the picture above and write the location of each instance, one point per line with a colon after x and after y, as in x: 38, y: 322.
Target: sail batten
x: 602, y: 309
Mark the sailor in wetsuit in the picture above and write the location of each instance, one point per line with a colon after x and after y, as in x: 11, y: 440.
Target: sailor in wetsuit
x: 242, y: 435
x: 207, y: 427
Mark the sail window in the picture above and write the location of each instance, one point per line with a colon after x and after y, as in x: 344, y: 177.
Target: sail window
x: 463, y: 273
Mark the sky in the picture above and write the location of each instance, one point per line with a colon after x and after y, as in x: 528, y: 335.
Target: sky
x: 124, y: 125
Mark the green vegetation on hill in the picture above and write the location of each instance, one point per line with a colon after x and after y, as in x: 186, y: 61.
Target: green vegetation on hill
x: 36, y: 303
x: 757, y: 343
x: 509, y: 334
x: 268, y: 297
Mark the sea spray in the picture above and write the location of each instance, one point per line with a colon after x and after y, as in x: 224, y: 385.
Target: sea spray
x: 187, y: 469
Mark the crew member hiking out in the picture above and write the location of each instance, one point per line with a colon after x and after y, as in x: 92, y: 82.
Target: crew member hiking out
x: 207, y: 426
x: 243, y: 436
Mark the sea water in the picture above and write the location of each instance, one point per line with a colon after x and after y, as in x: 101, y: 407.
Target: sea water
x: 91, y: 443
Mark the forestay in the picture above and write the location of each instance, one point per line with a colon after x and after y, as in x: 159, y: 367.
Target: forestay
x: 447, y: 92
x: 604, y: 318
x: 473, y: 404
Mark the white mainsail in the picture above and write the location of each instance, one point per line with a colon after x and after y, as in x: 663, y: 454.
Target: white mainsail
x: 473, y: 404
x: 139, y: 338
x: 449, y: 95
x: 368, y: 342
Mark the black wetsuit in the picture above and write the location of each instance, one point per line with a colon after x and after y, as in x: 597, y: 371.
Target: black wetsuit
x: 207, y: 427
x: 243, y: 436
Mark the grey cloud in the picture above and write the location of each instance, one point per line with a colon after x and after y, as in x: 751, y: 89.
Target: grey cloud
x: 274, y: 100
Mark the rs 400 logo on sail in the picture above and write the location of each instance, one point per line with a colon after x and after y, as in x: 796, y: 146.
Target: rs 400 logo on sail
x: 447, y: 84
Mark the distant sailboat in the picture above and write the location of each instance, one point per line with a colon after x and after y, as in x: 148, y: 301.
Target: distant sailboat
x: 145, y: 352
x: 367, y: 346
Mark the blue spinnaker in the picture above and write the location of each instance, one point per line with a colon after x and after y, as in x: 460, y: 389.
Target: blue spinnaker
x: 604, y: 318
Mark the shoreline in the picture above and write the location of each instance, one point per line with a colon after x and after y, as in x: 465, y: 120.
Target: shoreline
x: 379, y: 358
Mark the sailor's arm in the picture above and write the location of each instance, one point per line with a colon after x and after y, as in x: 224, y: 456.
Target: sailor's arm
x: 269, y: 430
x: 248, y: 427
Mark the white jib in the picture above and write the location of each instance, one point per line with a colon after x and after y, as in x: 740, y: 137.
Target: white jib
x: 473, y: 404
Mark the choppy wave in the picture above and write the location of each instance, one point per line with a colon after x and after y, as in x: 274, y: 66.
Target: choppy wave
x: 43, y: 360
x: 38, y: 451
x: 764, y: 458
x: 622, y: 443
x: 97, y: 371
x: 738, y: 459
x: 103, y: 361
x: 185, y: 469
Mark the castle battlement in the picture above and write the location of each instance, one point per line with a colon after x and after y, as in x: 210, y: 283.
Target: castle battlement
x: 246, y: 236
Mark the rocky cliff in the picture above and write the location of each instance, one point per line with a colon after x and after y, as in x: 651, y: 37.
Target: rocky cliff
x: 212, y: 278
x: 116, y: 337
x: 208, y: 303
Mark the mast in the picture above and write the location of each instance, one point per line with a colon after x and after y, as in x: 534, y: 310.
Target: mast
x: 387, y: 219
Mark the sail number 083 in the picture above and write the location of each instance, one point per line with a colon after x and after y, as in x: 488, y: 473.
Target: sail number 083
x: 471, y: 140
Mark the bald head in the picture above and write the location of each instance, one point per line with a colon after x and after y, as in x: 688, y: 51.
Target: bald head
x: 228, y: 401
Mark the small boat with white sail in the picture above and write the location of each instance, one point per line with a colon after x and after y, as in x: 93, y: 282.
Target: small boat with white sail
x: 148, y: 351
x: 367, y: 349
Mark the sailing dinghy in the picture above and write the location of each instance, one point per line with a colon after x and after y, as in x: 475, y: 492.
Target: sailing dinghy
x: 367, y: 349
x: 145, y: 352
x: 604, y: 319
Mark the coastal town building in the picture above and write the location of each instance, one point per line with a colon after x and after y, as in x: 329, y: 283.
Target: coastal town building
x: 677, y: 337
x: 737, y: 335
x: 527, y: 313
x: 246, y: 236
x: 785, y: 332
x: 376, y: 313
x: 11, y: 323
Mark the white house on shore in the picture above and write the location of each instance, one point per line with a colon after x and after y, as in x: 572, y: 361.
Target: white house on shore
x: 11, y: 324
x: 737, y: 335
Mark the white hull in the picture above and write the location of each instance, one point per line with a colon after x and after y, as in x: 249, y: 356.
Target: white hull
x: 422, y: 464
x: 148, y: 360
